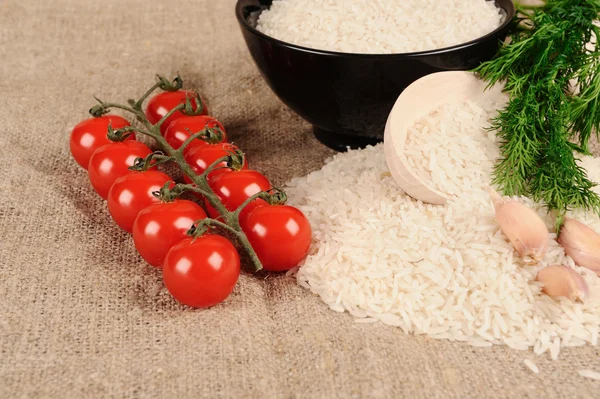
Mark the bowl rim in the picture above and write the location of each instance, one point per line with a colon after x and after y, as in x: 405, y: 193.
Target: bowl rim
x: 507, y: 5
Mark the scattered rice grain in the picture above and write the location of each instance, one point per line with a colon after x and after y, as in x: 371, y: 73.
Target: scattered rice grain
x: 593, y: 375
x: 531, y: 366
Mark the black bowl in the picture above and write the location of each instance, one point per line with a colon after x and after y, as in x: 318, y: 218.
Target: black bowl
x: 348, y: 97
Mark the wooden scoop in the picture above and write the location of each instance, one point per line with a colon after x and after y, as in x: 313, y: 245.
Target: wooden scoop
x: 417, y: 101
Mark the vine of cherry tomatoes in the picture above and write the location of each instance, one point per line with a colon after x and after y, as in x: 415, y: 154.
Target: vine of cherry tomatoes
x: 200, y: 266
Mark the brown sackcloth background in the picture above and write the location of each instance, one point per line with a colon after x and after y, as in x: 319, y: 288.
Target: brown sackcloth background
x: 82, y: 316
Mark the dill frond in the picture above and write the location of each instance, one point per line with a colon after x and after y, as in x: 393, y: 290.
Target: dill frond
x: 545, y: 123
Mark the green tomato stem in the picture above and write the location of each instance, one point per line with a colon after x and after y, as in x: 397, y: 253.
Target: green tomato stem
x: 262, y: 195
x: 138, y: 103
x: 213, y: 166
x: 162, y: 120
x: 119, y: 106
x: 224, y: 226
x: 190, y: 139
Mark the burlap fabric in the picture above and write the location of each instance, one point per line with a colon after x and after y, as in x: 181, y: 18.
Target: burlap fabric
x: 82, y: 316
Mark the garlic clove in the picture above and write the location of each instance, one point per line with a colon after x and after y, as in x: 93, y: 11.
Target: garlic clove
x: 524, y: 228
x: 563, y: 281
x: 581, y: 243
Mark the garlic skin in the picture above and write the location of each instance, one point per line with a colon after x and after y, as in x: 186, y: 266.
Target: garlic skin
x: 524, y: 228
x: 581, y: 243
x: 563, y: 281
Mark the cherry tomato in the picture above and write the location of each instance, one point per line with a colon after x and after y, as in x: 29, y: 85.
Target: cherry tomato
x: 280, y: 235
x: 177, y: 132
x: 160, y: 226
x: 162, y: 103
x: 200, y: 158
x: 89, y: 135
x: 201, y: 272
x: 132, y: 193
x: 112, y: 161
x: 236, y: 187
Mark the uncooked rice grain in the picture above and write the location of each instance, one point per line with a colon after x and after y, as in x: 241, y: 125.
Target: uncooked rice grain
x: 531, y: 366
x: 379, y: 26
x: 593, y: 375
x: 444, y: 271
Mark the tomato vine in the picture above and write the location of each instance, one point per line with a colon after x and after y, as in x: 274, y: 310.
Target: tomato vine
x: 199, y: 182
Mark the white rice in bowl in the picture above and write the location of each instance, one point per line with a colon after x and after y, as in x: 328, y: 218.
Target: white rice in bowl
x: 460, y: 132
x: 444, y: 271
x: 379, y: 26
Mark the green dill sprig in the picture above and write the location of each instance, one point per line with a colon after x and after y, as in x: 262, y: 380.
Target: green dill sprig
x: 545, y: 123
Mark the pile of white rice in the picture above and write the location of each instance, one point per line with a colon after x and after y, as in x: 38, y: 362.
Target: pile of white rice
x: 379, y: 26
x: 444, y: 271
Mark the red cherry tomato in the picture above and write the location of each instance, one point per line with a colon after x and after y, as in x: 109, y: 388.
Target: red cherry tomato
x: 112, y: 161
x: 177, y: 132
x: 160, y: 226
x: 200, y: 158
x: 201, y: 272
x: 132, y: 193
x: 236, y: 187
x: 280, y: 235
x: 162, y: 103
x: 89, y: 135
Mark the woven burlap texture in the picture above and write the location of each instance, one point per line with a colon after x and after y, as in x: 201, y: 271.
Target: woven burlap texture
x: 81, y: 315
